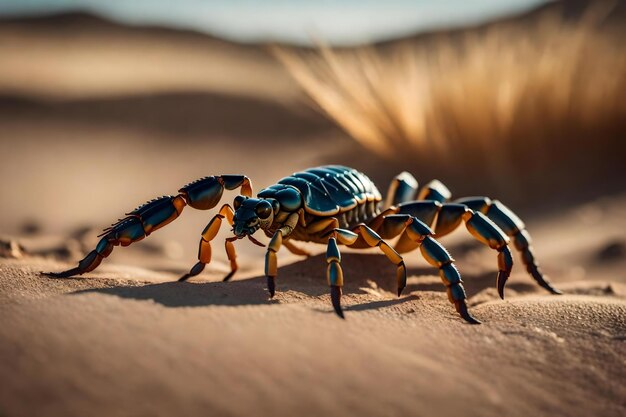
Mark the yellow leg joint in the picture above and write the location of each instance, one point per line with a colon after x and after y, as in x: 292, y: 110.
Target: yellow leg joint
x: 346, y: 237
x: 227, y: 211
x: 230, y: 251
x: 271, y: 264
x: 204, y: 252
x: 210, y: 231
x: 232, y: 257
x: 369, y: 236
x: 334, y: 274
x: 276, y: 242
x: 179, y: 204
x: 246, y: 188
x: 390, y: 253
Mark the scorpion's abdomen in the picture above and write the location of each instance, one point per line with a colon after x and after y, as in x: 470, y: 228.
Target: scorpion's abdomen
x: 334, y: 189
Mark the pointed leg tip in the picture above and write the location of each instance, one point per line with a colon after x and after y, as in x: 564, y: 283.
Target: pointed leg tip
x: 64, y: 274
x: 501, y: 283
x: 228, y: 277
x: 400, y: 291
x: 543, y: 281
x: 553, y: 290
x: 184, y: 278
x: 469, y: 318
x: 335, y: 297
x: 271, y: 286
x: 548, y: 287
x: 461, y: 308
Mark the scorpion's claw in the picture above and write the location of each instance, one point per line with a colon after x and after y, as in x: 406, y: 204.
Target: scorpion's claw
x: 461, y: 307
x: 271, y: 285
x: 335, y: 296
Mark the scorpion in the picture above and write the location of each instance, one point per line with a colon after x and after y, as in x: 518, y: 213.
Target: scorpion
x: 334, y: 205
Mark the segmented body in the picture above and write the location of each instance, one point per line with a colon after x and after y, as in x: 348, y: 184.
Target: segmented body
x: 330, y: 191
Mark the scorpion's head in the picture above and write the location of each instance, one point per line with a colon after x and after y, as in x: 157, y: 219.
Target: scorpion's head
x: 252, y: 214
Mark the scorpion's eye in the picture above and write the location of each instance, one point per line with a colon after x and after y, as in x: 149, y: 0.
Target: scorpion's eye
x: 238, y: 201
x: 263, y: 210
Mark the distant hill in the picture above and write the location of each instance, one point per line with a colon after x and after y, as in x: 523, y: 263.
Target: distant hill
x: 78, y: 55
x: 80, y: 21
x: 81, y: 55
x: 570, y: 11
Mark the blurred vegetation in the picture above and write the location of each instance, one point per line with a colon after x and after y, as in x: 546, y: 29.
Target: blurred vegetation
x: 525, y: 106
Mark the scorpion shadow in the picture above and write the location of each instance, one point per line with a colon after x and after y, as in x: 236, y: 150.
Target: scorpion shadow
x: 362, y: 272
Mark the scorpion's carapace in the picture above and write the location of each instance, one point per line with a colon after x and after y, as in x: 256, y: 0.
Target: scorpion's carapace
x: 334, y: 205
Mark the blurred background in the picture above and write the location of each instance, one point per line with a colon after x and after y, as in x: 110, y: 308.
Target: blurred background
x: 104, y: 105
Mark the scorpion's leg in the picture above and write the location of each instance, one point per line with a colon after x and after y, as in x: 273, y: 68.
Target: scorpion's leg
x: 492, y: 231
x: 514, y: 227
x: 413, y: 229
x: 502, y: 216
x: 202, y: 194
x: 445, y: 218
x: 334, y: 274
x: 271, y: 261
x: 204, y: 249
x: 330, y: 227
x: 402, y: 189
x: 483, y: 230
x: 371, y: 238
x: 434, y: 191
x: 438, y: 256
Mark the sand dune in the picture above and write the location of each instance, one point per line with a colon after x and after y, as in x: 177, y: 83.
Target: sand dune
x: 96, y: 118
x: 130, y: 341
x: 70, y: 347
x: 80, y: 55
x: 182, y: 114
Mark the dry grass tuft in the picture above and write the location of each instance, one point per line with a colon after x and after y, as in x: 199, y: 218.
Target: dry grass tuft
x: 504, y: 95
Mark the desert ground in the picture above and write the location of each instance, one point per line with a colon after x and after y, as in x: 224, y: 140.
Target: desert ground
x: 83, y: 141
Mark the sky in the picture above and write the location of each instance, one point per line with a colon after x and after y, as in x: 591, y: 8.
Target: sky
x: 299, y: 21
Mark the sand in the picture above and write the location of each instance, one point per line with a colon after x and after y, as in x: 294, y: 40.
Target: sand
x: 127, y: 340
